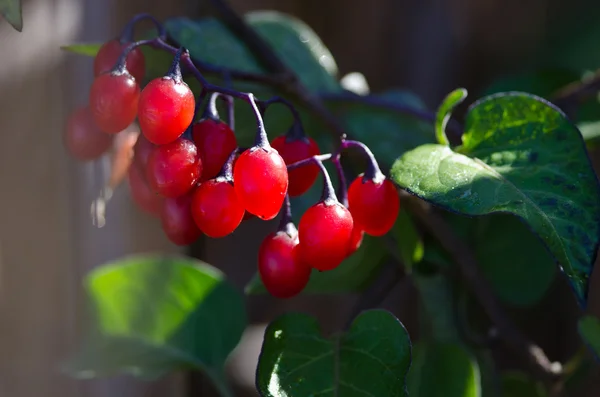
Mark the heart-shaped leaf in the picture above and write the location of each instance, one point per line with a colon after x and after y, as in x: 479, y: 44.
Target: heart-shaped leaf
x: 370, y: 359
x: 152, y: 315
x: 443, y: 369
x: 11, y: 11
x: 520, y: 155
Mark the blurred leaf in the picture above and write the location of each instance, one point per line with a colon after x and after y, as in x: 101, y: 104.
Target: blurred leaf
x: 88, y: 49
x: 152, y: 315
x: 589, y: 329
x: 521, y: 279
x: 542, y: 82
x: 517, y: 384
x: 438, y: 299
x: 354, y: 274
x: 444, y: 112
x: 371, y: 358
x: 410, y: 245
x: 443, y: 369
x: 590, y: 130
x: 11, y: 11
x: 387, y: 131
x: 522, y: 156
x: 490, y: 380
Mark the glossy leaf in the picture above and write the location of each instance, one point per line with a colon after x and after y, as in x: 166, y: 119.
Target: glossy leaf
x: 519, y: 155
x: 521, y: 279
x: 152, y: 315
x: 353, y: 275
x: 87, y: 49
x: 370, y: 359
x: 517, y: 384
x: 443, y: 369
x: 589, y: 329
x: 444, y: 113
x: 12, y: 12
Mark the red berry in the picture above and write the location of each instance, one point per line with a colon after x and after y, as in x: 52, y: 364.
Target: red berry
x: 83, y: 139
x: 294, y: 150
x: 280, y: 267
x: 215, y: 141
x: 166, y: 109
x: 114, y: 101
x: 142, y: 150
x: 216, y: 208
x: 177, y: 221
x: 325, y: 233
x: 141, y: 193
x: 173, y: 169
x: 374, y: 205
x: 109, y: 54
x: 261, y: 181
x: 356, y: 240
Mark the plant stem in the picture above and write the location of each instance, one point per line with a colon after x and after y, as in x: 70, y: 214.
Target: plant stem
x: 343, y: 184
x: 328, y: 197
x: 373, y: 172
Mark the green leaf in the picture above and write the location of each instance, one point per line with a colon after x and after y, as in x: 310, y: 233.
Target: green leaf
x: 521, y: 279
x: 410, y: 244
x: 294, y: 42
x: 443, y: 369
x: 11, y: 11
x: 520, y: 155
x: 152, y: 315
x: 517, y: 384
x: 375, y: 121
x: 370, y: 359
x: 437, y: 297
x: 542, y: 82
x: 589, y: 329
x: 87, y: 49
x: 444, y: 113
x: 353, y: 275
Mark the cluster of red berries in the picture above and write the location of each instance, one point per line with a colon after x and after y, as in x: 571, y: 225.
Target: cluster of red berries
x: 193, y: 175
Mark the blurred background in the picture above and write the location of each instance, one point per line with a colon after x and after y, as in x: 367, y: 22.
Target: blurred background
x: 47, y: 239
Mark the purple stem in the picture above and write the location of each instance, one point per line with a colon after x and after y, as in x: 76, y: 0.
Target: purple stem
x: 211, y: 111
x: 226, y: 172
x: 286, y: 224
x: 343, y: 186
x: 174, y: 71
x: 328, y: 197
x: 373, y: 172
x: 127, y: 35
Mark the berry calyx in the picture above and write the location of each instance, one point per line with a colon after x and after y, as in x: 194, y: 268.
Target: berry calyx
x: 177, y: 222
x: 374, y: 204
x: 215, y: 142
x: 83, y: 139
x: 109, y: 54
x: 325, y: 233
x: 261, y: 181
x: 114, y: 100
x: 166, y: 107
x: 173, y: 169
x: 280, y: 266
x: 142, y: 195
x: 294, y: 149
x: 216, y: 208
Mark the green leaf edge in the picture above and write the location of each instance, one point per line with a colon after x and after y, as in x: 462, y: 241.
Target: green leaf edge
x: 14, y: 19
x: 450, y: 102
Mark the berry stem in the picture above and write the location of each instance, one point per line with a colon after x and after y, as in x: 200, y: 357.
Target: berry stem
x: 343, y: 184
x: 120, y: 65
x: 230, y: 111
x: 226, y: 172
x: 296, y: 131
x: 328, y: 197
x: 127, y: 35
x: 286, y: 224
x: 373, y: 172
x: 174, y: 71
x: 211, y: 111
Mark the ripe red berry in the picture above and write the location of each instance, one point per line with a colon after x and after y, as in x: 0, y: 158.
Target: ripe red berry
x: 293, y: 150
x: 215, y: 142
x: 280, y: 267
x: 374, y: 205
x: 142, y: 195
x: 83, y: 139
x: 177, y: 221
x: 216, y: 208
x: 166, y: 109
x: 109, y: 54
x: 114, y: 101
x: 173, y: 169
x: 325, y: 233
x: 356, y: 239
x: 261, y: 181
x: 142, y: 150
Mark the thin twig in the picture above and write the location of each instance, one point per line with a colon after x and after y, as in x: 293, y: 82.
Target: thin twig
x: 464, y: 258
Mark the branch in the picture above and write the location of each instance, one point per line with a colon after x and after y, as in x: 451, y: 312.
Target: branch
x: 463, y: 257
x: 577, y: 92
